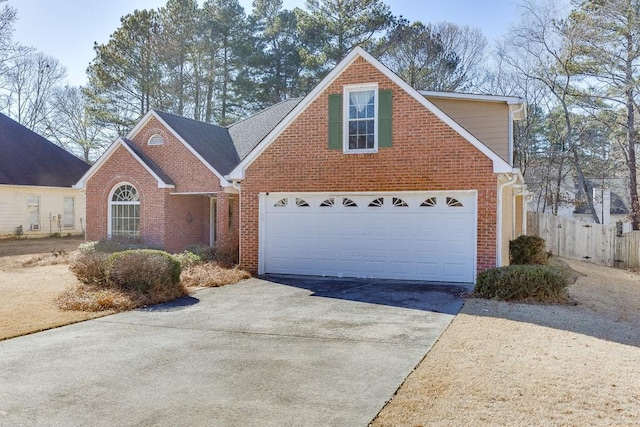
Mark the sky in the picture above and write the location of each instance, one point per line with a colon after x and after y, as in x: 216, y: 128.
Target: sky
x: 67, y: 29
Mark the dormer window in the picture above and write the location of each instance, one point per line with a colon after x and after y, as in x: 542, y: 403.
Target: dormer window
x: 155, y: 139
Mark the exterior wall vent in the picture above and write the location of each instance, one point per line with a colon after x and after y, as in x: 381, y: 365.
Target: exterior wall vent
x: 156, y: 139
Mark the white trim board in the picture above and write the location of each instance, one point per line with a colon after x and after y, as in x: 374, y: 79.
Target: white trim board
x: 82, y: 183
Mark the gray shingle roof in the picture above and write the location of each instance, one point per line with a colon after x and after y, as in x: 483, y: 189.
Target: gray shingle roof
x: 150, y: 164
x: 223, y: 148
x: 247, y: 133
x: 27, y: 158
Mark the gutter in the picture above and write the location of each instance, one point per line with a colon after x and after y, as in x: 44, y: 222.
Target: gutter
x: 501, y: 187
x: 511, y: 122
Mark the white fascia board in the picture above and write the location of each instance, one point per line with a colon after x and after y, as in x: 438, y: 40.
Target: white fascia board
x: 82, y: 183
x: 107, y: 154
x: 510, y: 100
x: 499, y: 165
x: 147, y: 117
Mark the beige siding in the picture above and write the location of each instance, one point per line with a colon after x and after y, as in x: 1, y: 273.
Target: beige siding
x: 507, y: 222
x: 519, y: 216
x: 13, y: 210
x: 487, y: 121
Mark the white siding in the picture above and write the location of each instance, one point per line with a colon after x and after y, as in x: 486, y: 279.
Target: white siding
x: 13, y: 210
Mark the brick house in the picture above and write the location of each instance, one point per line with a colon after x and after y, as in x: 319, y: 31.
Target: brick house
x: 364, y: 177
x: 163, y: 184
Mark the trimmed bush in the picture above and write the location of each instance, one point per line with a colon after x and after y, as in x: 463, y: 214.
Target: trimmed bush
x: 528, y: 250
x: 523, y: 282
x: 187, y: 259
x: 89, y: 266
x: 143, y: 269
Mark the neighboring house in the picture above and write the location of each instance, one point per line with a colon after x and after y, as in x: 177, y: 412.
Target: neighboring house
x: 610, y: 200
x: 364, y: 177
x: 36, y: 179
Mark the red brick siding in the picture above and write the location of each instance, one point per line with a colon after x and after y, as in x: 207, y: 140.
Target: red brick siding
x: 186, y: 222
x: 188, y: 173
x: 122, y: 167
x: 169, y: 221
x: 426, y: 155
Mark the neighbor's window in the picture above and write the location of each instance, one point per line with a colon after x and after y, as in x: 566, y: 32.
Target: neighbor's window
x: 124, y: 206
x: 361, y: 107
x: 33, y: 212
x: 68, y: 219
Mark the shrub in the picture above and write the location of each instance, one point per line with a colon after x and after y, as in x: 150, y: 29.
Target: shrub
x: 187, y: 259
x: 206, y: 253
x: 143, y: 269
x: 523, y: 282
x: 528, y: 250
x: 89, y: 266
x: 212, y: 275
x: 227, y: 254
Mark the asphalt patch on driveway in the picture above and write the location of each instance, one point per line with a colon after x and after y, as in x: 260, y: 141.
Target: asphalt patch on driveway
x: 437, y: 297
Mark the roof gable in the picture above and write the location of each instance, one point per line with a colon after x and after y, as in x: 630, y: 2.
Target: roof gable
x: 212, y: 144
x: 30, y: 159
x: 200, y: 136
x: 163, y: 180
x: 499, y: 165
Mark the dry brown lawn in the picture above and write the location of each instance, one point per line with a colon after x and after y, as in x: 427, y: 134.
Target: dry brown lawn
x: 28, y: 293
x: 34, y: 273
x: 518, y: 364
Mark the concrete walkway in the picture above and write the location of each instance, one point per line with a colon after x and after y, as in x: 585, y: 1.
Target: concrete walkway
x: 288, y: 351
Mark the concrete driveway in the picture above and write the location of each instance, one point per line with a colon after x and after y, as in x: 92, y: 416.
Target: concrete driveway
x: 276, y: 351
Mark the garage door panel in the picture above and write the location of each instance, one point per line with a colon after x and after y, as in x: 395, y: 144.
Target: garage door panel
x: 388, y: 242
x: 454, y: 271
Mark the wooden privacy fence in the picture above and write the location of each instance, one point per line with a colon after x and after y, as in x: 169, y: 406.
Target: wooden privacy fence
x: 596, y: 243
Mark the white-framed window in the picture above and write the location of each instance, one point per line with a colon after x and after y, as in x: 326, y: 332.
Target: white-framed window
x: 69, y: 216
x: 124, y: 211
x: 33, y: 212
x: 155, y: 139
x: 360, y: 118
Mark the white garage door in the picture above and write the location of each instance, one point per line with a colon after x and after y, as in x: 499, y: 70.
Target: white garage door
x: 418, y: 236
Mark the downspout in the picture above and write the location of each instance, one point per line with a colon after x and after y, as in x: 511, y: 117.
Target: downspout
x: 501, y: 187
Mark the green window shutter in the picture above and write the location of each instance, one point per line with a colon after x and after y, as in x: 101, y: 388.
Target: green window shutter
x: 384, y: 118
x: 335, y: 122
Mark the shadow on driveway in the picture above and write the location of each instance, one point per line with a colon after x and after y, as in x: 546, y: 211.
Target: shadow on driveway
x: 438, y: 297
x: 176, y: 304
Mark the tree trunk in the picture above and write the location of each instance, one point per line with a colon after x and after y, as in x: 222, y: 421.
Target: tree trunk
x: 576, y: 163
x: 631, y: 138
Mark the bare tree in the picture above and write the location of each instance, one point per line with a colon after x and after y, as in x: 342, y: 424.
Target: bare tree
x: 607, y: 36
x: 7, y: 18
x: 469, y: 46
x: 30, y: 82
x: 543, y: 48
x: 73, y: 125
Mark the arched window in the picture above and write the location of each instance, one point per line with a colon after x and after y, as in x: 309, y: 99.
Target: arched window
x: 124, y: 209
